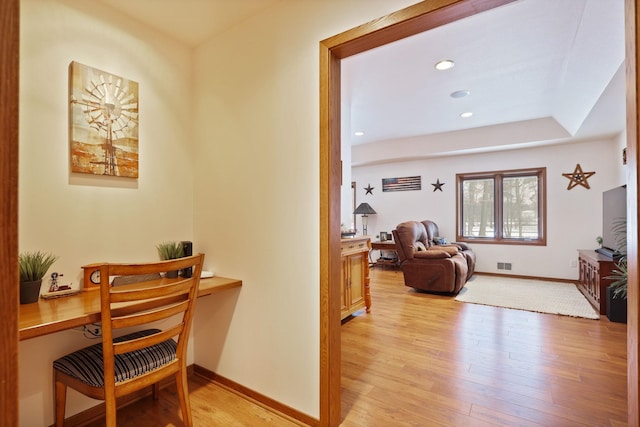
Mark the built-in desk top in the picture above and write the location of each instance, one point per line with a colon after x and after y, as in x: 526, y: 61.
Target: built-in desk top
x: 54, y: 315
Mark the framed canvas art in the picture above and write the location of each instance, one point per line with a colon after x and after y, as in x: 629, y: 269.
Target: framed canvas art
x: 103, y: 122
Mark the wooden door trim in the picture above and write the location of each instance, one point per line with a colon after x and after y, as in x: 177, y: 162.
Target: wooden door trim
x: 9, y: 90
x: 406, y: 22
x: 632, y: 21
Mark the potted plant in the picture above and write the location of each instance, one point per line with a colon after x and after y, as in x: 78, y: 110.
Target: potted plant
x: 33, y: 266
x: 170, y: 250
x: 617, y: 293
x: 617, y: 290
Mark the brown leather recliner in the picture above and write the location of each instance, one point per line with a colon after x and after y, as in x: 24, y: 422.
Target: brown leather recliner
x: 438, y: 270
x: 433, y: 234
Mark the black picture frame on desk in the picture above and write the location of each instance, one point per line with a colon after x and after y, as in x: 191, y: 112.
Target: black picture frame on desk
x: 384, y: 236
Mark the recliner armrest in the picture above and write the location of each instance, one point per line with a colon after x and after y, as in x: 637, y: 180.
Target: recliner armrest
x: 450, y: 249
x: 462, y: 245
x: 431, y: 254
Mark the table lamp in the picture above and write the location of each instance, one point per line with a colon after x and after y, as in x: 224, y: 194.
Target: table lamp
x: 365, y: 210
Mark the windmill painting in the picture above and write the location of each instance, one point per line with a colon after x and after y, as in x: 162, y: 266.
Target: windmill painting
x: 103, y: 122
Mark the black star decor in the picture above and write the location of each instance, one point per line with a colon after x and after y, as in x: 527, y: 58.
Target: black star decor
x: 578, y: 177
x: 438, y: 185
x: 369, y: 189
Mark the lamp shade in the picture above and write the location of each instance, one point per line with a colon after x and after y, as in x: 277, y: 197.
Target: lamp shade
x: 364, y: 209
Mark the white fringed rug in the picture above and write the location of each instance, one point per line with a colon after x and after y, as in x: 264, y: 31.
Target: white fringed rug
x: 531, y: 295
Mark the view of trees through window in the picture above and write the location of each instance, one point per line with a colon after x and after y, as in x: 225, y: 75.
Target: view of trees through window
x: 506, y: 206
x: 478, y: 206
x: 520, y: 212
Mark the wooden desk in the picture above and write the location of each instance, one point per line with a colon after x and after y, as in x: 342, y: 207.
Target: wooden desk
x: 58, y: 314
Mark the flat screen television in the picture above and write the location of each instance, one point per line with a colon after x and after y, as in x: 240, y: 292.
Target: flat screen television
x: 614, y: 219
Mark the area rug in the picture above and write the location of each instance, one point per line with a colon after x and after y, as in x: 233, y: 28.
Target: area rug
x: 530, y: 295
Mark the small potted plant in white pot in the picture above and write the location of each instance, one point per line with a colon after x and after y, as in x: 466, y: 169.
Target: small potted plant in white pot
x: 170, y: 250
x: 33, y: 266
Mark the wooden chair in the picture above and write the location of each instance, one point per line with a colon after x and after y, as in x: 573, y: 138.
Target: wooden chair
x: 119, y: 366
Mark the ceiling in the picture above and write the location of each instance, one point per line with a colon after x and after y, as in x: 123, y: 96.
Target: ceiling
x: 536, y: 75
x: 191, y: 21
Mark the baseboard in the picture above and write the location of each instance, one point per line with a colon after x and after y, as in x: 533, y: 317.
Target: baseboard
x: 516, y: 276
x: 257, y: 398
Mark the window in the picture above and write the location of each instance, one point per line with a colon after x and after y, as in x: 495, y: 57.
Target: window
x: 502, y: 207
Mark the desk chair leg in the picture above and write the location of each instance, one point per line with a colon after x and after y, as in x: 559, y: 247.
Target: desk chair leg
x: 156, y: 391
x: 183, y: 395
x: 110, y: 411
x: 60, y: 397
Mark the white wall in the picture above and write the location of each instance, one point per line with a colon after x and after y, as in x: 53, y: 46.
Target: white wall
x: 257, y: 194
x: 83, y: 218
x: 574, y: 217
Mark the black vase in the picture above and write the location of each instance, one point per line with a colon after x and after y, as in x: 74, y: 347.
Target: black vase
x: 30, y: 291
x: 616, y: 307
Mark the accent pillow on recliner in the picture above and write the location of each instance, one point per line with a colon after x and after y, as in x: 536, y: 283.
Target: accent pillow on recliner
x: 440, y: 240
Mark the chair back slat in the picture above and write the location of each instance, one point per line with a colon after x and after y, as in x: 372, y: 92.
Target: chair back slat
x: 135, y: 292
x: 149, y: 316
x: 135, y: 269
x: 147, y: 341
x: 125, y: 309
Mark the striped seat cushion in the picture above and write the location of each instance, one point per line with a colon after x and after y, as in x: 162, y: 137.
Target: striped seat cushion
x: 87, y: 364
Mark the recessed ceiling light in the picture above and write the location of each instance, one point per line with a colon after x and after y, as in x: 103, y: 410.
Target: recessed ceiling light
x: 358, y: 133
x: 460, y: 94
x: 445, y: 64
x: 466, y: 114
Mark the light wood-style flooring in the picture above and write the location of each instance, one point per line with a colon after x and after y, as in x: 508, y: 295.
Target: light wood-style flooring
x: 212, y: 405
x: 427, y: 360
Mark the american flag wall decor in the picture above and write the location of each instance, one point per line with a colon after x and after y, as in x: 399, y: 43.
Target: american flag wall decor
x: 407, y: 183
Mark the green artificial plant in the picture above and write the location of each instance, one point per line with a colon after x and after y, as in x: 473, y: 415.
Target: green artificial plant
x: 619, y: 276
x: 34, y: 265
x: 170, y: 250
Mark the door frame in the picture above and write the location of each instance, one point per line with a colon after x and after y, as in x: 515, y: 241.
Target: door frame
x: 9, y: 90
x: 395, y: 26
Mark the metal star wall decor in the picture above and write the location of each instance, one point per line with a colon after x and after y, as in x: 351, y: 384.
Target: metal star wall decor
x: 578, y: 177
x: 369, y: 189
x: 438, y: 185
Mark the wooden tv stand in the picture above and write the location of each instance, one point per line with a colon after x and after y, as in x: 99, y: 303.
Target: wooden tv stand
x: 592, y: 282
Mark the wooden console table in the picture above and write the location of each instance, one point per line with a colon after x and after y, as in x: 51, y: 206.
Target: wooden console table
x: 387, y: 246
x: 54, y: 315
x: 592, y: 282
